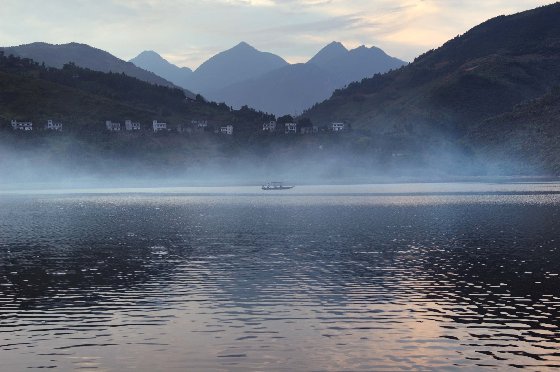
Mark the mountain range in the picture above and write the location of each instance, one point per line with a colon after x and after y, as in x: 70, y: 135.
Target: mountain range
x: 238, y: 76
x: 244, y: 75
x: 84, y: 56
x: 354, y: 65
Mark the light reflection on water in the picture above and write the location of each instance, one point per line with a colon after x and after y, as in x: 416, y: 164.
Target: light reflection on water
x: 447, y: 277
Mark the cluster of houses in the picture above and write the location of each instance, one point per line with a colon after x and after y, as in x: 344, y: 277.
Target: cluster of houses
x: 202, y: 125
x: 28, y: 126
x: 199, y: 125
x: 292, y: 128
x: 132, y: 126
x: 195, y: 125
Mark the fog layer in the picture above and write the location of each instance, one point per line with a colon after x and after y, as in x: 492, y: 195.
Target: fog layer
x: 32, y: 160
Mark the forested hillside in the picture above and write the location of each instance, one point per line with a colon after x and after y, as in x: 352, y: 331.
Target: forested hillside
x: 463, y: 90
x: 85, y: 99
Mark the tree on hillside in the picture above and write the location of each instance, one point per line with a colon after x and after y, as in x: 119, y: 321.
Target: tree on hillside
x: 285, y: 119
x: 304, y: 123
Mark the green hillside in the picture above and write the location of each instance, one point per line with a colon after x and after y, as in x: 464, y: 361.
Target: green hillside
x: 527, y: 136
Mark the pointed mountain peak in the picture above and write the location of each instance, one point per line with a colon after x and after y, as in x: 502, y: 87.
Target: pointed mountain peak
x: 152, y: 61
x: 373, y: 51
x: 147, y: 56
x: 243, y: 45
x: 335, y: 45
x: 241, y: 49
x: 149, y: 53
x: 233, y: 65
x: 149, y: 60
x: 328, y: 53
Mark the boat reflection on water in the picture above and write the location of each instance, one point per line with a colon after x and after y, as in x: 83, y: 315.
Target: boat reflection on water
x: 276, y: 186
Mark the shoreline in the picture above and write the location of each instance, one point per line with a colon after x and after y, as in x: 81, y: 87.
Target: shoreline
x: 382, y: 187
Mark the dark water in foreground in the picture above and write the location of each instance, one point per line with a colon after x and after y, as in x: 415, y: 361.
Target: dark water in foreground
x: 457, y: 276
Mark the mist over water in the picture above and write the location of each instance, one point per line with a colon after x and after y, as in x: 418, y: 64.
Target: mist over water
x: 410, y: 276
x: 29, y: 161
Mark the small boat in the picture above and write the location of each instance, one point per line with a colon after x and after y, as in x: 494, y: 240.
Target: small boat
x: 276, y: 186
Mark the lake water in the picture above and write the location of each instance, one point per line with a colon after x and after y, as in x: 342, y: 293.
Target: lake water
x: 387, y: 277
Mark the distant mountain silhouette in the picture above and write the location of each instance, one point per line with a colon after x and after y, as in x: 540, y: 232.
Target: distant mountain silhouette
x: 243, y: 75
x: 84, y: 56
x: 293, y: 88
x: 287, y: 90
x: 152, y: 61
x: 330, y: 52
x: 232, y: 66
x: 354, y: 65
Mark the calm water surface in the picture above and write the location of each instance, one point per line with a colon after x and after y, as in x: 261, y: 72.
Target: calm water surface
x: 387, y: 277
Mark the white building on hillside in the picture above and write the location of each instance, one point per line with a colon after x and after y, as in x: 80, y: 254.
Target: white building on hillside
x: 200, y: 124
x: 184, y: 128
x: 131, y: 125
x: 22, y: 125
x: 309, y: 130
x: 290, y: 128
x: 158, y: 127
x: 269, y: 127
x: 52, y: 125
x: 228, y: 129
x: 337, y: 127
x: 113, y: 127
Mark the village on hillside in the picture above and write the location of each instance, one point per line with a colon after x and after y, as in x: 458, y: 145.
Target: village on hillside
x: 193, y: 127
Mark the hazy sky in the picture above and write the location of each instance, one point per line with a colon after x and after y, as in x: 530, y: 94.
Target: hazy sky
x: 189, y: 31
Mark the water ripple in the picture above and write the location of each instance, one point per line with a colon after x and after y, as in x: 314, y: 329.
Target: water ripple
x: 303, y: 282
